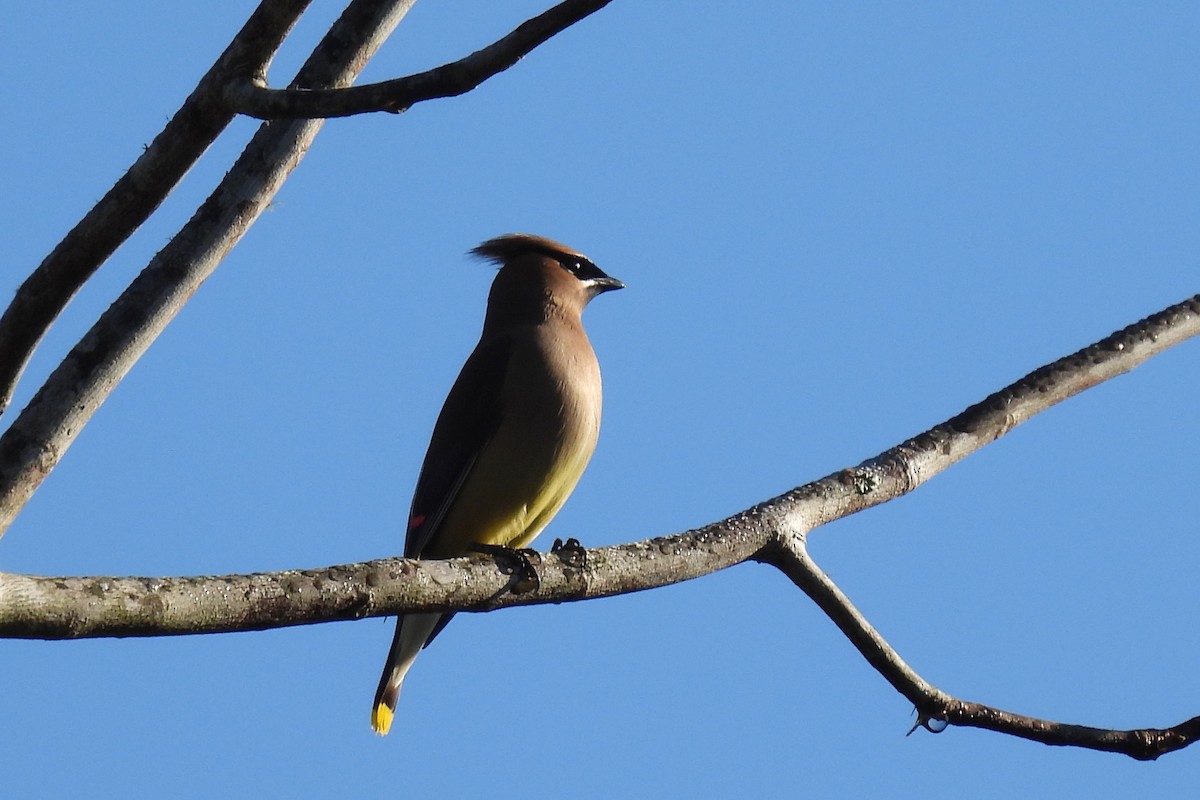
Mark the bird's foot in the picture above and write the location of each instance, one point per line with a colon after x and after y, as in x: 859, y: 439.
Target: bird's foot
x: 570, y: 552
x: 525, y: 577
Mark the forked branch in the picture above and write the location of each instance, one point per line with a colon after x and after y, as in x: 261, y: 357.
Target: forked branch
x: 251, y: 96
x: 46, y: 292
x: 39, y: 437
x: 935, y: 706
x: 773, y: 532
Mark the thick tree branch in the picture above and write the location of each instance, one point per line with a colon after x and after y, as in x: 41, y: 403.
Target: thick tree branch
x: 41, y: 434
x: 46, y: 292
x: 773, y: 532
x: 249, y: 94
x: 766, y: 532
x: 908, y: 465
x: 33, y: 607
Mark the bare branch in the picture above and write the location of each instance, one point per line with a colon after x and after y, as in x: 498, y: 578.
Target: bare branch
x: 34, y: 607
x: 250, y: 95
x: 44, y: 430
x: 773, y: 532
x: 931, y: 703
x: 908, y: 465
x: 1143, y: 744
x: 134, y: 197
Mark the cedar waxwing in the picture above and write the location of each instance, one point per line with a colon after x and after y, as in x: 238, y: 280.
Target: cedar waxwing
x: 515, y: 432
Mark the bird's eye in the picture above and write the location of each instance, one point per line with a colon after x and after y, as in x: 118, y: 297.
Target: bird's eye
x: 578, y: 266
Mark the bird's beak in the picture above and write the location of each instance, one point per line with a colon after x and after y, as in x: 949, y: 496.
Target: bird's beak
x: 606, y: 283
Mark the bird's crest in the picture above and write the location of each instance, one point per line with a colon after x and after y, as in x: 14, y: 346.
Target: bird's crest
x: 507, y: 247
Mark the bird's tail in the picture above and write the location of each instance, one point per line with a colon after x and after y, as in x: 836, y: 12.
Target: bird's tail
x: 412, y: 632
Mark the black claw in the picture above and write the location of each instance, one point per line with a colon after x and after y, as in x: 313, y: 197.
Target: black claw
x: 525, y: 577
x: 570, y: 552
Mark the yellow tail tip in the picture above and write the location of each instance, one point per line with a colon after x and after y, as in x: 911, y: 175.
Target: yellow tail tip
x: 381, y: 719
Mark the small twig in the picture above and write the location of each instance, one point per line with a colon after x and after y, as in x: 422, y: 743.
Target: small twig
x: 249, y: 95
x: 1143, y: 744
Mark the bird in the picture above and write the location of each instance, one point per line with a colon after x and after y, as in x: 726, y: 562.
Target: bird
x: 515, y: 432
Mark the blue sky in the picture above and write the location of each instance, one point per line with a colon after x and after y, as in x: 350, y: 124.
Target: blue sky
x: 839, y: 224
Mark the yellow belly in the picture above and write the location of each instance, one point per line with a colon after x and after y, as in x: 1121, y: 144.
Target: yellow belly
x: 509, y: 500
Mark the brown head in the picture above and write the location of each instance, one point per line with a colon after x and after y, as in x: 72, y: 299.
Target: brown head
x: 539, y: 277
